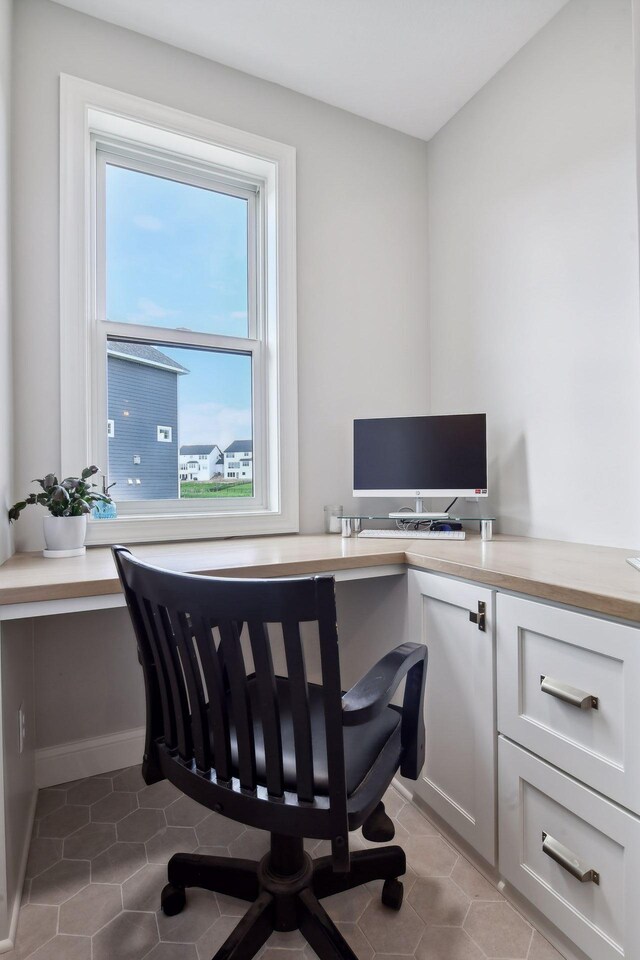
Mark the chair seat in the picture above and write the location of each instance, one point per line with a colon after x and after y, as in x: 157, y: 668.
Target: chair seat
x: 362, y: 744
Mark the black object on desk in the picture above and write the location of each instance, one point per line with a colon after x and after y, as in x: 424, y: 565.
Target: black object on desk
x: 275, y: 752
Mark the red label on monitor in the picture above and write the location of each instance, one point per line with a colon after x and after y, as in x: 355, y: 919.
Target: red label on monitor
x: 478, y: 490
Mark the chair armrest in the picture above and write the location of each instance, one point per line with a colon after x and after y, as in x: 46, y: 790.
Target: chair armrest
x: 371, y: 694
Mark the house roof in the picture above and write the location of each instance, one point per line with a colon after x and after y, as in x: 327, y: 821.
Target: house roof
x: 197, y: 449
x: 238, y: 446
x: 145, y: 354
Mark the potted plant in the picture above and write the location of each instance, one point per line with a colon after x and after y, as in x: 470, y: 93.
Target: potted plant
x: 69, y: 502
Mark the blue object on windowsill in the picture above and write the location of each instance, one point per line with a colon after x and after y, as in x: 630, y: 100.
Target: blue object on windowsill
x: 104, y: 511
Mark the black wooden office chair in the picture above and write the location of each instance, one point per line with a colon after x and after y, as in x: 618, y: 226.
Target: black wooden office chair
x: 275, y: 752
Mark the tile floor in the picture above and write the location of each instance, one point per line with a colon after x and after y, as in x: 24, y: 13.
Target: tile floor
x: 97, y: 865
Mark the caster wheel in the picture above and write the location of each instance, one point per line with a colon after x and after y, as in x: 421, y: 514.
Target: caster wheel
x: 172, y: 900
x: 392, y: 893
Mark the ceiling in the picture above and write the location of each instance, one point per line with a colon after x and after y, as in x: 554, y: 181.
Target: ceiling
x: 408, y: 64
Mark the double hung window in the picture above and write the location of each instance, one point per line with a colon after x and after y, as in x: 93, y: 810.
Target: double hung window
x: 186, y: 331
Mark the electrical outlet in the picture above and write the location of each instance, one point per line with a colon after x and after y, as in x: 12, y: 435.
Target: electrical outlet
x: 22, y: 728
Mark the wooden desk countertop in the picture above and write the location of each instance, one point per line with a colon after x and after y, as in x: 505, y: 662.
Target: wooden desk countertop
x: 594, y: 578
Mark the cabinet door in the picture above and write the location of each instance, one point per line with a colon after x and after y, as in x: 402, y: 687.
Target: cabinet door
x: 458, y: 778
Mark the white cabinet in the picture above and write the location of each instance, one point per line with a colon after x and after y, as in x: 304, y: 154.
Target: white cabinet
x: 571, y: 852
x: 458, y: 779
x: 568, y: 690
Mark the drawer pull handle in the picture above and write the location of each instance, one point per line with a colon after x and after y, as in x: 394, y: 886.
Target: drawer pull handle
x: 568, y: 860
x: 568, y: 694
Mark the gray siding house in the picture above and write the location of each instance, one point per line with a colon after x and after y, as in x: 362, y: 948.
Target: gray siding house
x: 142, y: 421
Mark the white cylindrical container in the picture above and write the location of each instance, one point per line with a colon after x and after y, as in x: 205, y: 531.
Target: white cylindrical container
x: 64, y: 536
x: 332, y: 521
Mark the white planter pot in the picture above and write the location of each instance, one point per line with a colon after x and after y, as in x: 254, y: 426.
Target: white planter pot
x: 64, y: 536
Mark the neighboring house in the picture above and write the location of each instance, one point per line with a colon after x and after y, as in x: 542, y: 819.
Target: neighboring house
x: 143, y: 421
x: 200, y: 461
x: 238, y: 460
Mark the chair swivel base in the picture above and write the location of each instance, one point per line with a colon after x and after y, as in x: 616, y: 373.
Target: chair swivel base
x: 285, y: 889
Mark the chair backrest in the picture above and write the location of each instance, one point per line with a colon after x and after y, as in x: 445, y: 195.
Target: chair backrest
x: 190, y: 631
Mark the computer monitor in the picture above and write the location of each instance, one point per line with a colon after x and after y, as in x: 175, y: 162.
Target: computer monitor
x: 444, y: 456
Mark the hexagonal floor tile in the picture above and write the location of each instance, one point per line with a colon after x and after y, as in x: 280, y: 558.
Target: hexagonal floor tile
x: 185, y: 812
x: 541, y: 949
x: 211, y: 941
x: 447, y: 943
x: 498, y: 930
x: 64, y: 821
x: 173, y: 951
x: 438, y: 901
x: 90, y: 840
x: 48, y: 801
x: 130, y: 780
x: 200, y: 913
x: 64, y: 948
x: 391, y: 931
x: 348, y: 906
x: 158, y: 795
x: 43, y: 853
x: 393, y: 802
x: 118, y: 863
x: 88, y: 791
x: 113, y: 807
x: 140, y: 825
x: 251, y: 845
x: 473, y: 883
x: 169, y: 841
x: 60, y: 881
x: 430, y: 856
x: 90, y: 909
x: 218, y: 831
x: 130, y: 936
x: 142, y: 890
x: 415, y: 823
x: 36, y: 925
x: 356, y: 940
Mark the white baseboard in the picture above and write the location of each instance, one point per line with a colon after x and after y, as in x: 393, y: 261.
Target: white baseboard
x: 9, y: 943
x: 88, y: 758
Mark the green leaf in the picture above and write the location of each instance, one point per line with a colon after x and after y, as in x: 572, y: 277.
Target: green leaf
x: 50, y: 481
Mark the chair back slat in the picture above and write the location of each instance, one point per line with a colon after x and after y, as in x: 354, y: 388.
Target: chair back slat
x: 240, y: 702
x: 168, y: 715
x: 217, y: 701
x: 265, y: 679
x: 299, y: 693
x: 183, y: 632
x: 179, y: 700
x: 208, y: 706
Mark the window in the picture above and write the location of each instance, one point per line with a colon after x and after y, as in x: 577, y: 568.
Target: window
x: 188, y: 314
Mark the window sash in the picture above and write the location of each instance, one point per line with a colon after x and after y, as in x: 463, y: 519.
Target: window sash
x: 106, y: 152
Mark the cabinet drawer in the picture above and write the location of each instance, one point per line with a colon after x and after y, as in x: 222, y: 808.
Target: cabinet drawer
x: 543, y: 809
x: 580, y: 658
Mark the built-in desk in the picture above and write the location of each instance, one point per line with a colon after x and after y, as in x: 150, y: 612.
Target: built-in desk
x: 594, y: 579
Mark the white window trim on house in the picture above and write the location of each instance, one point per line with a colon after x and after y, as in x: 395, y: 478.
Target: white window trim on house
x: 164, y: 434
x: 90, y: 114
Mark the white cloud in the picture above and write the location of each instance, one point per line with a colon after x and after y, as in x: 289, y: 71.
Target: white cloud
x: 151, y: 309
x: 213, y: 423
x: 145, y: 221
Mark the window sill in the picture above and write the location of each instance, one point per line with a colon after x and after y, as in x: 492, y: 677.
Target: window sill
x: 136, y: 529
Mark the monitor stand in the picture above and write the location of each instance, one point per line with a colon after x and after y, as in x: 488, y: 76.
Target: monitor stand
x: 417, y: 514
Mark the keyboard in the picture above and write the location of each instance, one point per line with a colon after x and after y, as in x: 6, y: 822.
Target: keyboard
x: 413, y: 534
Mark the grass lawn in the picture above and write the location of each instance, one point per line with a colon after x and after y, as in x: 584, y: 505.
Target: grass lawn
x: 194, y: 489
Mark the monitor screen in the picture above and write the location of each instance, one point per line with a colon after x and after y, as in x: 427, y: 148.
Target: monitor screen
x: 420, y: 456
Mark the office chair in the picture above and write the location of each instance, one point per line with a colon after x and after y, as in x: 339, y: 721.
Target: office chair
x: 268, y: 750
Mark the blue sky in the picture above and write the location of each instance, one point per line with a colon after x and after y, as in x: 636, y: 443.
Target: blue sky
x: 177, y: 257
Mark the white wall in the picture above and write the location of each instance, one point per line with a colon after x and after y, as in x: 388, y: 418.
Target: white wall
x: 534, y: 278
x: 361, y: 224
x: 362, y: 295
x: 5, y: 285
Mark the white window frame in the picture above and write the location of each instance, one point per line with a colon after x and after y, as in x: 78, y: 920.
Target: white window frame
x: 160, y: 438
x: 132, y: 127
x: 111, y: 429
